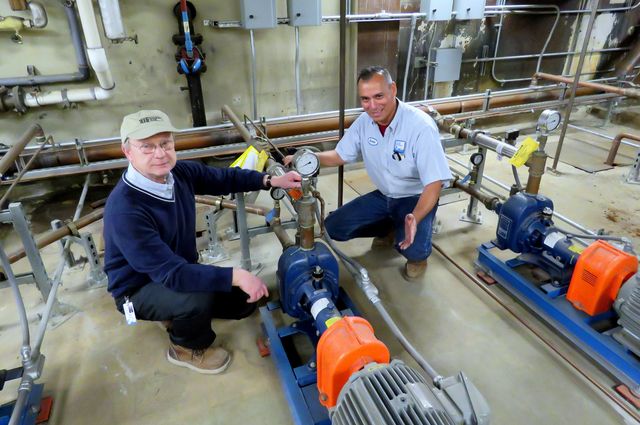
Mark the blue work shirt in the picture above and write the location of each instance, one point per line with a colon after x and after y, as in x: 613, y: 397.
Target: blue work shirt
x: 402, y: 162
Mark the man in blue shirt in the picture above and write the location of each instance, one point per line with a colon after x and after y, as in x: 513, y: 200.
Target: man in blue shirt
x: 150, y: 244
x: 401, y: 149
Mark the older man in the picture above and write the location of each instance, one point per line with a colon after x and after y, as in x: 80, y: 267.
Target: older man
x: 150, y: 243
x: 402, y: 153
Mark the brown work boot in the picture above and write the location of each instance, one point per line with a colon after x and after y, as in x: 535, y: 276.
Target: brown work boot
x: 384, y: 241
x: 210, y: 360
x: 414, y: 270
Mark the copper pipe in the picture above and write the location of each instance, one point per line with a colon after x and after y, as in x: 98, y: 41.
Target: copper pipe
x: 615, y: 144
x: 536, y: 164
x: 34, y: 130
x: 275, y: 226
x: 222, y: 203
x: 57, y: 234
x: 198, y: 139
x: 596, y: 86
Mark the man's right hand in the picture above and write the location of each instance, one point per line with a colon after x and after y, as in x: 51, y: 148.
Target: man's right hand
x: 252, y: 285
x: 287, y: 160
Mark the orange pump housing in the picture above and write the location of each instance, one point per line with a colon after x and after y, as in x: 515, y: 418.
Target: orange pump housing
x: 599, y: 273
x: 344, y: 348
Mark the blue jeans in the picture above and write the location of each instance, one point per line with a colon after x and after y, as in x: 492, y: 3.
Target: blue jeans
x: 375, y: 215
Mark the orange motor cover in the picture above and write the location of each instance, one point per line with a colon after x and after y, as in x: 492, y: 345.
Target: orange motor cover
x: 599, y: 273
x: 344, y: 348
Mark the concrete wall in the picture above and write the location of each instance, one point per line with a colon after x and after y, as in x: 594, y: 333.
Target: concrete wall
x: 146, y: 76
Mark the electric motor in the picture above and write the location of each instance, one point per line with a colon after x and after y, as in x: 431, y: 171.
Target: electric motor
x: 627, y: 305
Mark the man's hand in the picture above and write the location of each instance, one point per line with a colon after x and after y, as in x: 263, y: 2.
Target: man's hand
x: 287, y: 160
x: 287, y: 181
x: 410, y: 229
x: 250, y: 284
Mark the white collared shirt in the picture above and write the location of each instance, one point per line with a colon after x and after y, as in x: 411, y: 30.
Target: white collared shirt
x: 402, y: 162
x: 159, y: 190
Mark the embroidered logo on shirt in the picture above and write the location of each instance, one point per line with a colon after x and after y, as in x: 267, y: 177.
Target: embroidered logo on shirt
x: 372, y: 141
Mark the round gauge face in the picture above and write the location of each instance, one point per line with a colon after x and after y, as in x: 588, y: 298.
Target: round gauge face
x: 307, y: 164
x: 277, y: 193
x: 549, y: 120
x: 476, y: 158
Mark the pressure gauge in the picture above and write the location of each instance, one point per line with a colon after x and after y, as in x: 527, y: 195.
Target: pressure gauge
x: 549, y: 120
x: 277, y: 193
x: 476, y: 158
x: 306, y: 163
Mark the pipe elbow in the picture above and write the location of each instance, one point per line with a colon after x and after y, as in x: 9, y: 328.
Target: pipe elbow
x: 39, y: 15
x: 100, y: 64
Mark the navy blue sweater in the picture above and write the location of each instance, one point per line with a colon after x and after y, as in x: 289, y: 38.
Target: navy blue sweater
x: 150, y: 239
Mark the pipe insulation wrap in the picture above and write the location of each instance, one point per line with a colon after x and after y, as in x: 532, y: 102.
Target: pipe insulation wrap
x: 112, y: 19
x: 62, y: 96
x: 89, y: 24
x: 100, y: 64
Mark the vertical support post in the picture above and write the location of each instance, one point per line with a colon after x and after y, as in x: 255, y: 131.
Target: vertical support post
x: 245, y: 262
x: 21, y: 225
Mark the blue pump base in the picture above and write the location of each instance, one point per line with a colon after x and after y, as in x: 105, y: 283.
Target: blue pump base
x: 591, y: 334
x: 31, y: 410
x: 297, y: 369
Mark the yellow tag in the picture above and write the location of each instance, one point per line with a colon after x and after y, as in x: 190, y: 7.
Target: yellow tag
x: 331, y: 321
x: 248, y: 160
x: 525, y: 150
x: 263, y: 156
x: 577, y: 249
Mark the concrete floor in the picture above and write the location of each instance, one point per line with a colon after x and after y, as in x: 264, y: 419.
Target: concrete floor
x: 101, y: 371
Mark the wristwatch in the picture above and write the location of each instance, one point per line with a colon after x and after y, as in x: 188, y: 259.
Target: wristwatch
x: 267, y: 183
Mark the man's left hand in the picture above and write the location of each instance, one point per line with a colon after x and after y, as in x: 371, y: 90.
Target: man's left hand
x: 410, y: 229
x: 287, y: 181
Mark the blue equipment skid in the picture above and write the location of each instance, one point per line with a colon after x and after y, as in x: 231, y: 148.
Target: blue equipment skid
x: 583, y: 330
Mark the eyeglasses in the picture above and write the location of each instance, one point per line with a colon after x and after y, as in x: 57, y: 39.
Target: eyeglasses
x: 150, y: 148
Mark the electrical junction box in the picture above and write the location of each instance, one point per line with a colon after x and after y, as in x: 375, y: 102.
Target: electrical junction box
x: 258, y: 14
x: 437, y: 10
x: 447, y: 67
x: 468, y: 9
x: 304, y: 12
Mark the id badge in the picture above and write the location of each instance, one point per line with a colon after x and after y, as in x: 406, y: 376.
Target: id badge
x: 129, y: 312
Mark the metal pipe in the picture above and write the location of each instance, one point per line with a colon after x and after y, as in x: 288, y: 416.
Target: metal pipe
x: 408, y: 60
x: 489, y: 201
x: 574, y: 86
x: 245, y: 261
x: 20, y: 174
x: 536, y: 164
x: 297, y: 72
x: 605, y: 136
x: 342, y: 94
x: 244, y: 133
x: 12, y: 154
x: 616, y: 144
x: 428, y: 68
x: 253, y: 75
x: 22, y: 313
x: 635, y: 93
x: 221, y: 203
x: 544, y: 47
x: 626, y: 65
x: 546, y: 55
x: 51, y: 236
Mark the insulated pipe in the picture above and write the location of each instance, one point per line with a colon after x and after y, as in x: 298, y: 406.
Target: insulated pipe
x: 477, y: 137
x: 615, y: 144
x: 112, y: 20
x: 33, y: 131
x: 81, y: 58
x: 635, y: 93
x: 97, y: 55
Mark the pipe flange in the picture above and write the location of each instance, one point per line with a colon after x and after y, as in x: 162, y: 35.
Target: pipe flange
x: 17, y: 95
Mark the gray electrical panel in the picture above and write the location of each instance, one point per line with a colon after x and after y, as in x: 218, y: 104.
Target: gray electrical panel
x: 469, y: 9
x: 447, y: 66
x: 304, y: 12
x: 437, y: 10
x: 258, y: 14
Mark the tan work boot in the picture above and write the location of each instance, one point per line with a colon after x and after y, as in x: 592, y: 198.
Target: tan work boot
x: 210, y: 360
x: 384, y: 241
x: 414, y: 270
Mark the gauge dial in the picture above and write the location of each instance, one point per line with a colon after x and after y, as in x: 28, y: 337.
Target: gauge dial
x: 277, y: 193
x: 549, y: 120
x: 306, y: 163
x: 477, y: 158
